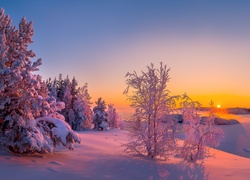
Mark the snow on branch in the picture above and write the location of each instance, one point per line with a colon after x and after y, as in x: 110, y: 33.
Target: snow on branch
x: 61, y: 131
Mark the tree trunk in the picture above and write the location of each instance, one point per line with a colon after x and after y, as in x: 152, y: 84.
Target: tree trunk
x: 149, y: 144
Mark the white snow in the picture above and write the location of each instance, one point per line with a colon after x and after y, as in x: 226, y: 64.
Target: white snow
x: 100, y: 156
x: 61, y: 129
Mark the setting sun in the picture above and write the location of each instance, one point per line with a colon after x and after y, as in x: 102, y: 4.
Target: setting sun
x: 218, y: 106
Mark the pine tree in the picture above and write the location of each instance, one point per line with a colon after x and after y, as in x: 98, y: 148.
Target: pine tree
x: 77, y: 110
x: 60, y: 86
x: 66, y: 97
x: 85, y: 101
x: 24, y: 97
x: 100, y: 115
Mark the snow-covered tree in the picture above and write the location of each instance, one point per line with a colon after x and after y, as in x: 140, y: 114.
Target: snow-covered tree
x: 199, y: 134
x: 60, y: 86
x: 86, y: 103
x: 24, y: 97
x: 77, y: 111
x: 67, y: 98
x: 51, y: 85
x: 151, y: 135
x: 100, y: 115
x: 113, y: 116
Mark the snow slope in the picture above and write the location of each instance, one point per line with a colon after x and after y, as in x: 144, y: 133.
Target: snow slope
x: 101, y: 157
x: 237, y: 137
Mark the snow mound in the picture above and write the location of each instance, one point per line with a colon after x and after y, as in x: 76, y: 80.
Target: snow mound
x: 61, y: 131
x: 236, y: 139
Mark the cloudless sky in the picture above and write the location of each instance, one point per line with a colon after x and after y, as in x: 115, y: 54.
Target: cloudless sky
x: 205, y: 43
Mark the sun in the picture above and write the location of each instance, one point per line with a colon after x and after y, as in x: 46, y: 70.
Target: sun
x: 218, y: 106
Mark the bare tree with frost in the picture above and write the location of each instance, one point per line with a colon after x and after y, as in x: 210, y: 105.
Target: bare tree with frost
x: 148, y: 95
x: 26, y: 110
x: 200, y: 133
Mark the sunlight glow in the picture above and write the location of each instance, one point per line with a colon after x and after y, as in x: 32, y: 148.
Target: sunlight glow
x: 218, y: 106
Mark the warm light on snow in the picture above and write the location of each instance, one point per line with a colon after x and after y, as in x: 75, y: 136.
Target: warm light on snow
x: 100, y: 156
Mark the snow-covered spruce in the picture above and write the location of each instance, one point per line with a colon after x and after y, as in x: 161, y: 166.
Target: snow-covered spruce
x: 100, y: 115
x: 77, y: 109
x: 24, y: 97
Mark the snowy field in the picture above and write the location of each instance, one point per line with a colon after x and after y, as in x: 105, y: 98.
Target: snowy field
x: 100, y: 156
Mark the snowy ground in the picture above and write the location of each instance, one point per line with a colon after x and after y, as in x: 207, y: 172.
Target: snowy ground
x: 100, y: 157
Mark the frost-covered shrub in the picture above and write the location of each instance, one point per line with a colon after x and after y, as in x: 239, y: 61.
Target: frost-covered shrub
x: 155, y: 124
x: 199, y: 136
x: 23, y: 95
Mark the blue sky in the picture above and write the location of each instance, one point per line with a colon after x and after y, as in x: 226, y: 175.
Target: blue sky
x: 206, y: 44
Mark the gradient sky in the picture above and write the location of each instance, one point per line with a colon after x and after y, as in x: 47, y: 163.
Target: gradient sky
x: 205, y: 43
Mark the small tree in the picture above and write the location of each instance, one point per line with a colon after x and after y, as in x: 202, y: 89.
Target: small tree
x: 100, y: 115
x: 199, y: 134
x: 151, y: 135
x: 84, y: 94
x: 113, y: 116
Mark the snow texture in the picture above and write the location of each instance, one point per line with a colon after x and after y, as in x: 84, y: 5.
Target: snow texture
x: 61, y: 131
x: 102, y: 157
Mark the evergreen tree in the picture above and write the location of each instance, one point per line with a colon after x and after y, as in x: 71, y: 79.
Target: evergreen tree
x: 66, y: 97
x: 77, y: 110
x: 113, y: 116
x: 51, y: 85
x: 100, y: 115
x: 74, y: 89
x: 80, y: 119
x: 60, y: 86
x: 86, y: 103
x: 24, y: 97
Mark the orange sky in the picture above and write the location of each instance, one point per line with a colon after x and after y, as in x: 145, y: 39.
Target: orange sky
x: 205, y: 43
x: 206, y: 70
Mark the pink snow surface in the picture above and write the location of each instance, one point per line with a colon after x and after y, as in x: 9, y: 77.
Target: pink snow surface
x: 101, y: 157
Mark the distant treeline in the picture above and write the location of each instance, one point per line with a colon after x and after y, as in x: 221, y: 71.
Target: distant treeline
x: 235, y: 110
x: 238, y: 110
